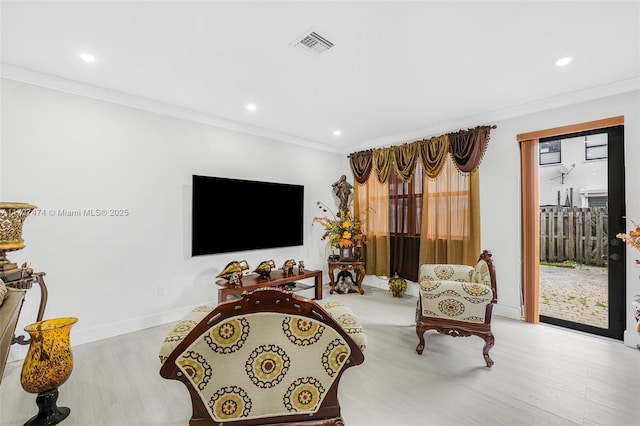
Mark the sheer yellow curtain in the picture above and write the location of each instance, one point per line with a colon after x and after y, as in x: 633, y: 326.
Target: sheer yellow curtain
x: 450, y: 230
x: 372, y: 206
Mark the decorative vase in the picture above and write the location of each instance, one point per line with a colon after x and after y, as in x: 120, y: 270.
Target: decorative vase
x: 12, y: 217
x: 397, y: 285
x: 48, y: 365
x: 346, y: 254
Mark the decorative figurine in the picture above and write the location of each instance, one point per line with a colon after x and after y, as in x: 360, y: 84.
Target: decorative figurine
x: 343, y: 189
x: 287, y: 268
x: 234, y: 267
x: 234, y: 279
x: 397, y: 285
x: 300, y: 267
x: 264, y: 268
x: 343, y: 286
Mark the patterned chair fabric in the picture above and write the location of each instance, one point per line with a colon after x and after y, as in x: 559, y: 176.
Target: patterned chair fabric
x: 456, y: 291
x: 457, y: 300
x: 268, y: 358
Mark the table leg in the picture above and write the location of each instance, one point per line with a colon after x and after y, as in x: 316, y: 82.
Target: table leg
x: 360, y: 273
x: 333, y: 281
x: 318, y: 280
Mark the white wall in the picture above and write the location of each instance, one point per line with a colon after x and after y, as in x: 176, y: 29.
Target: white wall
x: 66, y: 152
x: 62, y: 151
x: 500, y: 191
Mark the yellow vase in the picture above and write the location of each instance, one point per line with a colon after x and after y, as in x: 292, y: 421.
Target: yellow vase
x: 48, y: 364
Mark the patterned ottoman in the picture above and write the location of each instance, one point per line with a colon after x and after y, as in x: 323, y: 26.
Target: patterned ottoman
x: 347, y: 320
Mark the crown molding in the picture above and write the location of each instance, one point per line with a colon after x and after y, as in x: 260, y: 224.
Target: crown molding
x: 48, y: 81
x: 52, y: 82
x: 580, y: 96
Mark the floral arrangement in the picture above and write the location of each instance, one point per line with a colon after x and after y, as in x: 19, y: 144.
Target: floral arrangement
x: 344, y: 230
x: 632, y: 238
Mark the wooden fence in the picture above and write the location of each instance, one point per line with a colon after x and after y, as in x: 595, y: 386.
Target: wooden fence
x: 574, y: 234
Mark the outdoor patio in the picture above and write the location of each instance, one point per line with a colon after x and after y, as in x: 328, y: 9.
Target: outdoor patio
x: 575, y: 294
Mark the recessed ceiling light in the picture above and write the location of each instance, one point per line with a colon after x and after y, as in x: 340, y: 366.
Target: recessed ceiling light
x: 563, y: 61
x: 336, y: 133
x: 87, y: 57
x: 251, y: 107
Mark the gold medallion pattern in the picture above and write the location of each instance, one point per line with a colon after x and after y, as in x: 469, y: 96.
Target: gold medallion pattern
x: 428, y: 285
x: 180, y: 330
x: 230, y: 402
x: 335, y: 356
x: 267, y: 365
x: 196, y: 367
x: 228, y: 336
x: 303, y: 395
x: 475, y: 289
x: 451, y: 307
x: 444, y: 272
x: 302, y: 331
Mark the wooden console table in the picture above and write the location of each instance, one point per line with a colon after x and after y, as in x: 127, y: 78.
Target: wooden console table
x: 276, y: 278
x: 25, y: 283
x: 345, y: 266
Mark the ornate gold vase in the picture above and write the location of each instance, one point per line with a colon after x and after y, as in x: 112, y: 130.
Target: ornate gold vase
x: 48, y: 365
x: 12, y: 216
x: 397, y: 285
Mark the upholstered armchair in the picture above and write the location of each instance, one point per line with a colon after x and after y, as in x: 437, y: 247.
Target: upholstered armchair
x: 457, y: 300
x: 268, y: 358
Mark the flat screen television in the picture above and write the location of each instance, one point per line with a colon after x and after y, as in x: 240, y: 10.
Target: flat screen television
x: 230, y: 215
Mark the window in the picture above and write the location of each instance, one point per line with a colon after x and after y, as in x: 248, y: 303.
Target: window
x: 596, y: 147
x: 405, y: 204
x: 550, y: 152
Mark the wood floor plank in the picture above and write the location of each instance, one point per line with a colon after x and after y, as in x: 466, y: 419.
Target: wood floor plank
x: 543, y: 375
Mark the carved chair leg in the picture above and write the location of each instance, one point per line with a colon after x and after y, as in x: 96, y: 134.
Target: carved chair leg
x: 489, y: 342
x: 420, y: 346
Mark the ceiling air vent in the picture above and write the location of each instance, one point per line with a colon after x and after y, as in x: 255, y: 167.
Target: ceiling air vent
x: 312, y: 42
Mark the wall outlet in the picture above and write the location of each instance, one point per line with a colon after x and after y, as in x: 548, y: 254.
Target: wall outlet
x: 162, y: 289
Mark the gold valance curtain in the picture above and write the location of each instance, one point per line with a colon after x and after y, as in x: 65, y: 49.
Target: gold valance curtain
x: 467, y: 147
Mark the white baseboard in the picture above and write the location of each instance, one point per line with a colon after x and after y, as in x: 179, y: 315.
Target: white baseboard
x: 106, y: 331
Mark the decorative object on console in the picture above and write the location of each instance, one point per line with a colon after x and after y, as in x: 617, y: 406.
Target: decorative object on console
x: 264, y: 268
x: 287, y: 267
x: 48, y: 364
x: 12, y: 217
x: 235, y: 267
x: 341, y: 231
x: 397, y: 285
x: 300, y: 267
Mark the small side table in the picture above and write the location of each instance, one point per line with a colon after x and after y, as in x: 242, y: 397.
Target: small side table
x: 25, y: 283
x: 345, y: 267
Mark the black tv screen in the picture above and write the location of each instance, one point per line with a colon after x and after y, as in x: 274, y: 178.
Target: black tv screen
x: 231, y: 215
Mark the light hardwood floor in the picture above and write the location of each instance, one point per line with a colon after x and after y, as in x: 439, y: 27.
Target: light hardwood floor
x: 543, y: 375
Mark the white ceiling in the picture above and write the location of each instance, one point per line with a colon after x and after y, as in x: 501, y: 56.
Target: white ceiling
x: 399, y: 71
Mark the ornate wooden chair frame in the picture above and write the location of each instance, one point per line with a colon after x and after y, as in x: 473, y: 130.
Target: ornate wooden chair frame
x: 261, y: 301
x: 457, y: 328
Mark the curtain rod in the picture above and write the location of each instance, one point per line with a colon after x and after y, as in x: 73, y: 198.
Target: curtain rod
x: 419, y: 140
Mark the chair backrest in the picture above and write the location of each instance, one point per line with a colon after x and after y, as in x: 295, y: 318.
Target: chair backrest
x: 266, y: 358
x: 485, y: 273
